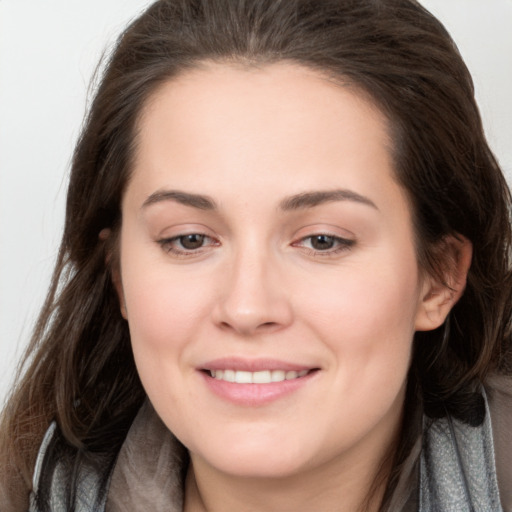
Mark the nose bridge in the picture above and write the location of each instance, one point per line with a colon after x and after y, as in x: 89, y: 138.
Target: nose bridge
x: 253, y: 297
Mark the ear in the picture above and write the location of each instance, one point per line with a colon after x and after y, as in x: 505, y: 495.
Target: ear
x: 441, y: 292
x: 104, y: 236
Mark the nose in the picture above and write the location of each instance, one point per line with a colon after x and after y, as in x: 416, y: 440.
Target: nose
x: 253, y: 297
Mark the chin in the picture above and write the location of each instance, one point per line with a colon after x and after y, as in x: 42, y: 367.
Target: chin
x: 261, y: 467
x: 259, y: 460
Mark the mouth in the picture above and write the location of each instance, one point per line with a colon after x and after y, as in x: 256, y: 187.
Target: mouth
x: 256, y: 382
x: 258, y: 377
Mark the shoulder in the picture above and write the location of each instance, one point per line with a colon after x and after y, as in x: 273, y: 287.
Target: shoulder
x: 57, y: 486
x: 466, y: 466
x: 499, y: 392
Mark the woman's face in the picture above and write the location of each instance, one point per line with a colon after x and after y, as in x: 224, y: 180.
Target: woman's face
x: 268, y: 270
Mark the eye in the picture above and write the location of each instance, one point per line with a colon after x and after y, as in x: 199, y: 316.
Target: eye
x: 324, y: 244
x: 189, y: 244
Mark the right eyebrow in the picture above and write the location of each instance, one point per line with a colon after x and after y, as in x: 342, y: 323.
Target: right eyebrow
x: 318, y: 197
x: 194, y: 200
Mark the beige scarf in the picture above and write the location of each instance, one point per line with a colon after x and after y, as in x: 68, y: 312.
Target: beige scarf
x: 452, y: 467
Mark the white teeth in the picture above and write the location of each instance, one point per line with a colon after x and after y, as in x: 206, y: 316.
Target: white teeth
x: 261, y: 377
x: 229, y: 375
x: 243, y: 377
x: 278, y: 375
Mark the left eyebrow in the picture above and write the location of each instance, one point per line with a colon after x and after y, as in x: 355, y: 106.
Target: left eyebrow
x: 194, y: 200
x: 316, y: 198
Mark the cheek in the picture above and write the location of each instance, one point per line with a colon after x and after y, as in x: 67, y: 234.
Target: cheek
x: 164, y: 304
x: 366, y: 315
x: 376, y: 298
x: 163, y: 318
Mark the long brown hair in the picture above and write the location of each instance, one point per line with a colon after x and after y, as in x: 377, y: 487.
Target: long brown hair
x: 79, y: 368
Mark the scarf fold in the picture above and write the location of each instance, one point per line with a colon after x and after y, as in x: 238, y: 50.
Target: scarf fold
x: 458, y: 472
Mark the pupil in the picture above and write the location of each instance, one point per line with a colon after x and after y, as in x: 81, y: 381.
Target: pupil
x: 322, y: 242
x: 192, y: 241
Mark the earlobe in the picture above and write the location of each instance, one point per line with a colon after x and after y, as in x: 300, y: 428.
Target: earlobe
x: 441, y: 293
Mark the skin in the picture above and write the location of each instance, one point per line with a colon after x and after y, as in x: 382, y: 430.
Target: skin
x: 259, y: 286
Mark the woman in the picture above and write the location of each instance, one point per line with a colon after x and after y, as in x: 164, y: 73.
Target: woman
x: 279, y: 249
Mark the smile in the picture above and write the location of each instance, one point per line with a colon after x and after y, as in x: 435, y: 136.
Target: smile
x: 259, y: 377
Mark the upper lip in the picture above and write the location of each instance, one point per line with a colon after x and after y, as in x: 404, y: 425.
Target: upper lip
x: 253, y: 365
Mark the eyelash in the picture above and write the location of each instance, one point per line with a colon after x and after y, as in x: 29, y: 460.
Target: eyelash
x: 340, y: 245
x: 167, y: 245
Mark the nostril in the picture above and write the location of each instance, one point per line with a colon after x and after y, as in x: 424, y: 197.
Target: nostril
x: 238, y: 326
x: 225, y: 325
x: 262, y: 325
x: 268, y: 325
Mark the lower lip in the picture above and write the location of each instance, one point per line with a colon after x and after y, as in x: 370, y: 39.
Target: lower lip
x: 253, y: 395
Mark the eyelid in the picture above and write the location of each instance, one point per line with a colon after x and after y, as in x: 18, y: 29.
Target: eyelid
x: 166, y: 244
x: 342, y: 243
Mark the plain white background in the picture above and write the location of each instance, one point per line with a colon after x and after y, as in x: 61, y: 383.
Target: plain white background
x: 48, y: 53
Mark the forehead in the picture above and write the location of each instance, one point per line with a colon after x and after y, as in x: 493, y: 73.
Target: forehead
x: 223, y: 93
x: 282, y: 124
